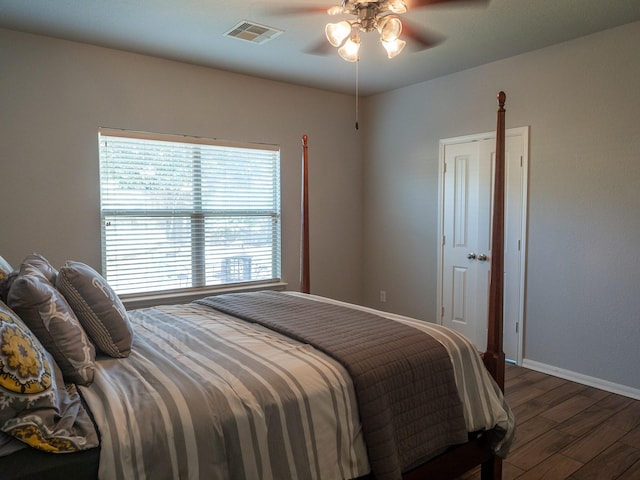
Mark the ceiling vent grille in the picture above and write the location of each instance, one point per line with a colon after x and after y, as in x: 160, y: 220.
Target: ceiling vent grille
x: 253, y: 32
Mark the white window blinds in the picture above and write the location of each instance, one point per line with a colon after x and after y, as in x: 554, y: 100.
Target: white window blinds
x: 180, y: 212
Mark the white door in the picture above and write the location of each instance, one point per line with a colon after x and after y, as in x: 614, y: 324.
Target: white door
x: 464, y: 282
x: 467, y: 165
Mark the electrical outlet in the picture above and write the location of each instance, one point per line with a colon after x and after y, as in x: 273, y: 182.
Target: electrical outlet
x: 383, y: 295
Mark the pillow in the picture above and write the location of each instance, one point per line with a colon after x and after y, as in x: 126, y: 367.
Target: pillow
x: 5, y: 268
x: 8, y: 275
x: 5, y: 285
x: 6, y: 278
x: 45, y: 311
x: 42, y: 265
x: 98, y: 308
x: 35, y: 406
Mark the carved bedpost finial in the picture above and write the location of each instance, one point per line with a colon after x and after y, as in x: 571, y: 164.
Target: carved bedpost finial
x: 502, y: 98
x: 304, y: 139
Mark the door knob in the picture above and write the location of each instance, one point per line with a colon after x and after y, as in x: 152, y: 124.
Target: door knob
x: 482, y: 257
x: 472, y: 256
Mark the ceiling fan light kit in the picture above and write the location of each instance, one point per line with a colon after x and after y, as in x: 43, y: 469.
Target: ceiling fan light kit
x: 370, y: 16
x: 381, y: 16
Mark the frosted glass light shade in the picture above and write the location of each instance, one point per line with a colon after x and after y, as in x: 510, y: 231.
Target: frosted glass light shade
x: 397, y: 6
x: 390, y: 28
x: 338, y: 32
x: 349, y: 51
x: 394, y: 48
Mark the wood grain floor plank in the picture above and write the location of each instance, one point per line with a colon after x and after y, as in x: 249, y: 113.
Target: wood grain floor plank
x: 528, y: 379
x: 556, y: 467
x: 632, y: 473
x: 628, y: 418
x: 585, y: 421
x: 591, y: 445
x: 568, y: 431
x: 539, y: 449
x: 549, y: 383
x: 562, y: 393
x: 615, y: 403
x: 525, y: 394
x: 632, y: 438
x: 526, y: 411
x: 510, y: 471
x: 568, y: 408
x: 530, y: 430
x: 596, y: 393
x: 610, y: 464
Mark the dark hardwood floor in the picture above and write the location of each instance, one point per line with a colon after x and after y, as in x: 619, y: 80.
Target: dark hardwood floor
x: 566, y: 430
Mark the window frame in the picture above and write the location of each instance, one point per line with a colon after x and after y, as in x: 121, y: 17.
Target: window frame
x: 198, y: 216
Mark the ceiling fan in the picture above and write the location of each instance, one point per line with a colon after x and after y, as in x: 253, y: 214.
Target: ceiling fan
x: 382, y: 16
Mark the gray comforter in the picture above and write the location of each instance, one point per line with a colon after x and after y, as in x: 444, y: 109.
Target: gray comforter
x: 403, y: 378
x: 207, y: 395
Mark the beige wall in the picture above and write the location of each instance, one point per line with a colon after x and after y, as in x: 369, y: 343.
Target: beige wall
x: 580, y: 98
x: 582, y: 102
x: 55, y: 94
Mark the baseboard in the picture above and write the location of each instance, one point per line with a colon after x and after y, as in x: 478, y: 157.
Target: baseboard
x: 582, y: 379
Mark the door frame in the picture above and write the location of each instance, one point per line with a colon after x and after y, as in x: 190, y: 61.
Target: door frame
x: 518, y: 131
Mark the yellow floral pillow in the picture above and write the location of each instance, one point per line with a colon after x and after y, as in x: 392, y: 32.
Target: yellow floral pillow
x: 24, y: 366
x: 35, y: 405
x: 5, y: 268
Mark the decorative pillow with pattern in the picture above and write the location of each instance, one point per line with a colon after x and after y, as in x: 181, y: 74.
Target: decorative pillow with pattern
x: 48, y: 315
x: 42, y: 264
x: 98, y: 308
x: 6, y: 277
x: 35, y: 406
x: 5, y: 268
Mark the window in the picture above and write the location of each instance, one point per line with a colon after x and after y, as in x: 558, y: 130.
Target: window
x: 181, y: 212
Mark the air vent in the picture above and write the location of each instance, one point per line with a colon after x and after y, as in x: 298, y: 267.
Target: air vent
x: 253, y: 32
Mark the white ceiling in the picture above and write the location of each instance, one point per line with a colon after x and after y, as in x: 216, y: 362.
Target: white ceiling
x: 193, y: 31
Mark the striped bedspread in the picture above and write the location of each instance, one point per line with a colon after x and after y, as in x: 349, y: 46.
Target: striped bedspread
x: 205, y: 395
x: 403, y: 379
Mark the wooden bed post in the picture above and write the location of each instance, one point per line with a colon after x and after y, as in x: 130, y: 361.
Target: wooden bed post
x: 494, y: 356
x: 460, y: 459
x: 304, y: 243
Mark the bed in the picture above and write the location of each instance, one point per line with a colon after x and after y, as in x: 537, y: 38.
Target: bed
x: 254, y: 385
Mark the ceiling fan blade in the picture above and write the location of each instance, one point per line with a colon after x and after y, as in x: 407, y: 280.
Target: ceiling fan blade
x: 411, y: 4
x: 423, y: 38
x: 320, y: 47
x: 295, y: 10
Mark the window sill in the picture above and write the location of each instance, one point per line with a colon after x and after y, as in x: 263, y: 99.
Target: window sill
x: 134, y: 301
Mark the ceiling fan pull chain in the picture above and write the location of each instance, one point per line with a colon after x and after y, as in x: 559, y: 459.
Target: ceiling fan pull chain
x: 357, y: 93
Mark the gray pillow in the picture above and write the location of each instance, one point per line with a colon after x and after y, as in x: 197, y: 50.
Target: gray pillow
x: 8, y: 275
x: 98, y: 308
x: 48, y: 315
x: 42, y: 264
x: 36, y: 407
